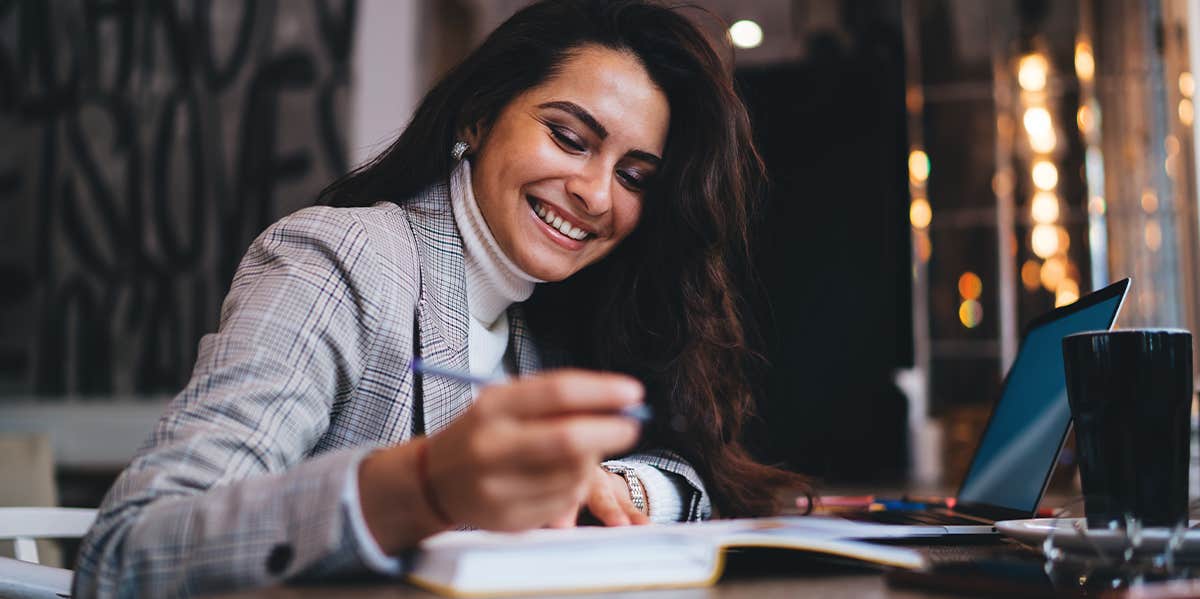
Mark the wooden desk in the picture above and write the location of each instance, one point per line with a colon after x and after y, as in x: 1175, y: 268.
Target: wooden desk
x: 815, y: 578
x: 837, y: 586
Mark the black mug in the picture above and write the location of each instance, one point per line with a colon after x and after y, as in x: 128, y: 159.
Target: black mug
x: 1130, y: 393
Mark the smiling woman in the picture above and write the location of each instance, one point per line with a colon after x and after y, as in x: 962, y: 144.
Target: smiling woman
x: 570, y: 207
x: 560, y: 174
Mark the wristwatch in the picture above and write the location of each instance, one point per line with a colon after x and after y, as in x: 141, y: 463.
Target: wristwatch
x: 637, y: 493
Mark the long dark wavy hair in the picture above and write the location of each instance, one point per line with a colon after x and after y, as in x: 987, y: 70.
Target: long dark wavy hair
x: 667, y: 305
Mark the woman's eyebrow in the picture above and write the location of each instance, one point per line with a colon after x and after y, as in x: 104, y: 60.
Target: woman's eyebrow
x: 580, y: 113
x: 590, y: 122
x: 647, y: 156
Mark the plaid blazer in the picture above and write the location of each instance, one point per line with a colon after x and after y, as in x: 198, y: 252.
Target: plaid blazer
x: 239, y: 485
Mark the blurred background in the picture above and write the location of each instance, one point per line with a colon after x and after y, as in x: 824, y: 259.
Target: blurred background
x: 943, y: 171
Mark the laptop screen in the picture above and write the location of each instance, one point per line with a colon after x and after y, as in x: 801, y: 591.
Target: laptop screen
x: 1030, y: 420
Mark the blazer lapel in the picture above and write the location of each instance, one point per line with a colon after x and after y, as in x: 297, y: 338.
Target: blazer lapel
x: 442, y: 307
x: 522, y: 355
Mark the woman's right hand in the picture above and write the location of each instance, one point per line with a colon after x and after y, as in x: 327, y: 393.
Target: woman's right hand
x: 520, y: 458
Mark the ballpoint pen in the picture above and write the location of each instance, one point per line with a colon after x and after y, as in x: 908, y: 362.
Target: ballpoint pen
x: 642, y: 413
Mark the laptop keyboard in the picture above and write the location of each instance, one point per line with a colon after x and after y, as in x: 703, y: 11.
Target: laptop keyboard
x: 931, y: 518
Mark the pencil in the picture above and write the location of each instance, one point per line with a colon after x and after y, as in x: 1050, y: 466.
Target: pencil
x: 642, y: 413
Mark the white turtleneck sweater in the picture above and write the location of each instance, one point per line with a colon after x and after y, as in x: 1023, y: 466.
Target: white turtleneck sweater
x: 494, y: 283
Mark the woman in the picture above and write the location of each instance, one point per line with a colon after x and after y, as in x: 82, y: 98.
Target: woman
x: 592, y: 150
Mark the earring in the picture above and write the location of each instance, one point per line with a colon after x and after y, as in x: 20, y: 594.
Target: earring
x: 459, y: 150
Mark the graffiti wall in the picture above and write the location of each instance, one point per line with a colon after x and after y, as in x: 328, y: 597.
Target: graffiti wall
x: 143, y: 145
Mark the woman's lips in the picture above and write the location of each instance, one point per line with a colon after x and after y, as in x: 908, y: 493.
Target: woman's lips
x: 556, y: 235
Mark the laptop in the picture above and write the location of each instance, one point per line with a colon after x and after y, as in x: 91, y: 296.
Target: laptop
x: 1027, y: 428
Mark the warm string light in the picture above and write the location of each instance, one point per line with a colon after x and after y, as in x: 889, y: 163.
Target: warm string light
x: 1032, y: 72
x: 1049, y: 241
x: 1044, y: 208
x: 1066, y: 293
x: 1085, y: 63
x: 1031, y: 275
x: 1040, y: 128
x: 1045, y: 175
x: 1153, y: 235
x: 918, y: 166
x: 920, y: 212
x: 1044, y: 241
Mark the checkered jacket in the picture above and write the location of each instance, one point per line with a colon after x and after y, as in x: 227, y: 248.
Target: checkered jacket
x: 239, y: 484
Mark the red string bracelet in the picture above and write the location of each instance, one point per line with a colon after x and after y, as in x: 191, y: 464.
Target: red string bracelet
x: 427, y: 486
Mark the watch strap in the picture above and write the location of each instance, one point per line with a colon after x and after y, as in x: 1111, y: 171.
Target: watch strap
x: 637, y: 493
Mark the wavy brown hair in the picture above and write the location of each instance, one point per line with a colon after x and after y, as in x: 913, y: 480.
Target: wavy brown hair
x: 667, y: 305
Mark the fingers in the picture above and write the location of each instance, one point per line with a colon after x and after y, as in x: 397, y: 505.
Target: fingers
x: 567, y: 441
x: 606, y: 507
x: 567, y: 520
x: 565, y: 392
x: 636, y: 517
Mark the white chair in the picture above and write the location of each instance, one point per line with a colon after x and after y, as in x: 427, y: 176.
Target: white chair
x: 24, y: 577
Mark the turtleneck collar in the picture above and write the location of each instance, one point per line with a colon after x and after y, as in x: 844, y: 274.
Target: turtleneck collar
x: 494, y: 282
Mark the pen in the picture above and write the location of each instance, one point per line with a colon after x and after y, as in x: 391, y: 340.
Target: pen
x: 642, y: 413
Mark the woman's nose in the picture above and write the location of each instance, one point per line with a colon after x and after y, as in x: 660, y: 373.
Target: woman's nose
x: 592, y: 187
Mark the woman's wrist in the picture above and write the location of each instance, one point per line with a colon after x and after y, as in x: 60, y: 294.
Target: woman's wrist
x: 633, y: 485
x: 395, y: 503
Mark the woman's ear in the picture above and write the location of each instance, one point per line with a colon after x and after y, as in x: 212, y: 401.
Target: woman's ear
x: 474, y: 136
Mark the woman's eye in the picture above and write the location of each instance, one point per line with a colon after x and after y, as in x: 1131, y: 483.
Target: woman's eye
x: 632, y: 179
x: 565, y: 139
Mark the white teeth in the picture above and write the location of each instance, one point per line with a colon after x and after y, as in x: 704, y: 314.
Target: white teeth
x: 556, y: 221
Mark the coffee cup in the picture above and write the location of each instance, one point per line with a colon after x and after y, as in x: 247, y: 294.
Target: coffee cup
x: 1130, y: 394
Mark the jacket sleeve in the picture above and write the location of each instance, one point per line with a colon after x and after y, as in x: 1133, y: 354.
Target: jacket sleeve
x: 693, y: 500
x: 226, y: 494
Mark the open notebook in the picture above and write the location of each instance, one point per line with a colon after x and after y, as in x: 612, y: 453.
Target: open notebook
x: 594, y: 559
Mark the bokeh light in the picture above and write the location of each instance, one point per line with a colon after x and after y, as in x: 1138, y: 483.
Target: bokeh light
x: 1044, y: 241
x: 1053, y: 272
x: 1032, y: 72
x: 924, y: 246
x: 1031, y: 274
x: 1153, y: 234
x: 914, y: 99
x: 1037, y: 121
x: 1066, y: 293
x: 1043, y: 144
x: 970, y: 286
x: 1040, y: 128
x: 970, y: 313
x: 1064, y: 240
x: 1186, y: 112
x: 1097, y: 205
x: 919, y: 213
x: 1149, y: 201
x: 1083, y: 117
x: 918, y: 166
x: 746, y: 34
x: 1171, y: 145
x: 1045, y: 175
x: 1044, y: 207
x: 1187, y: 84
x: 1002, y: 182
x: 1085, y: 63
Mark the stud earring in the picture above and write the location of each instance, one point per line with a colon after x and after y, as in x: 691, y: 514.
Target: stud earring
x: 459, y: 150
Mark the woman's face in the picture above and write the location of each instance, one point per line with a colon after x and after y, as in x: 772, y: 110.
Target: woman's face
x: 559, y: 175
